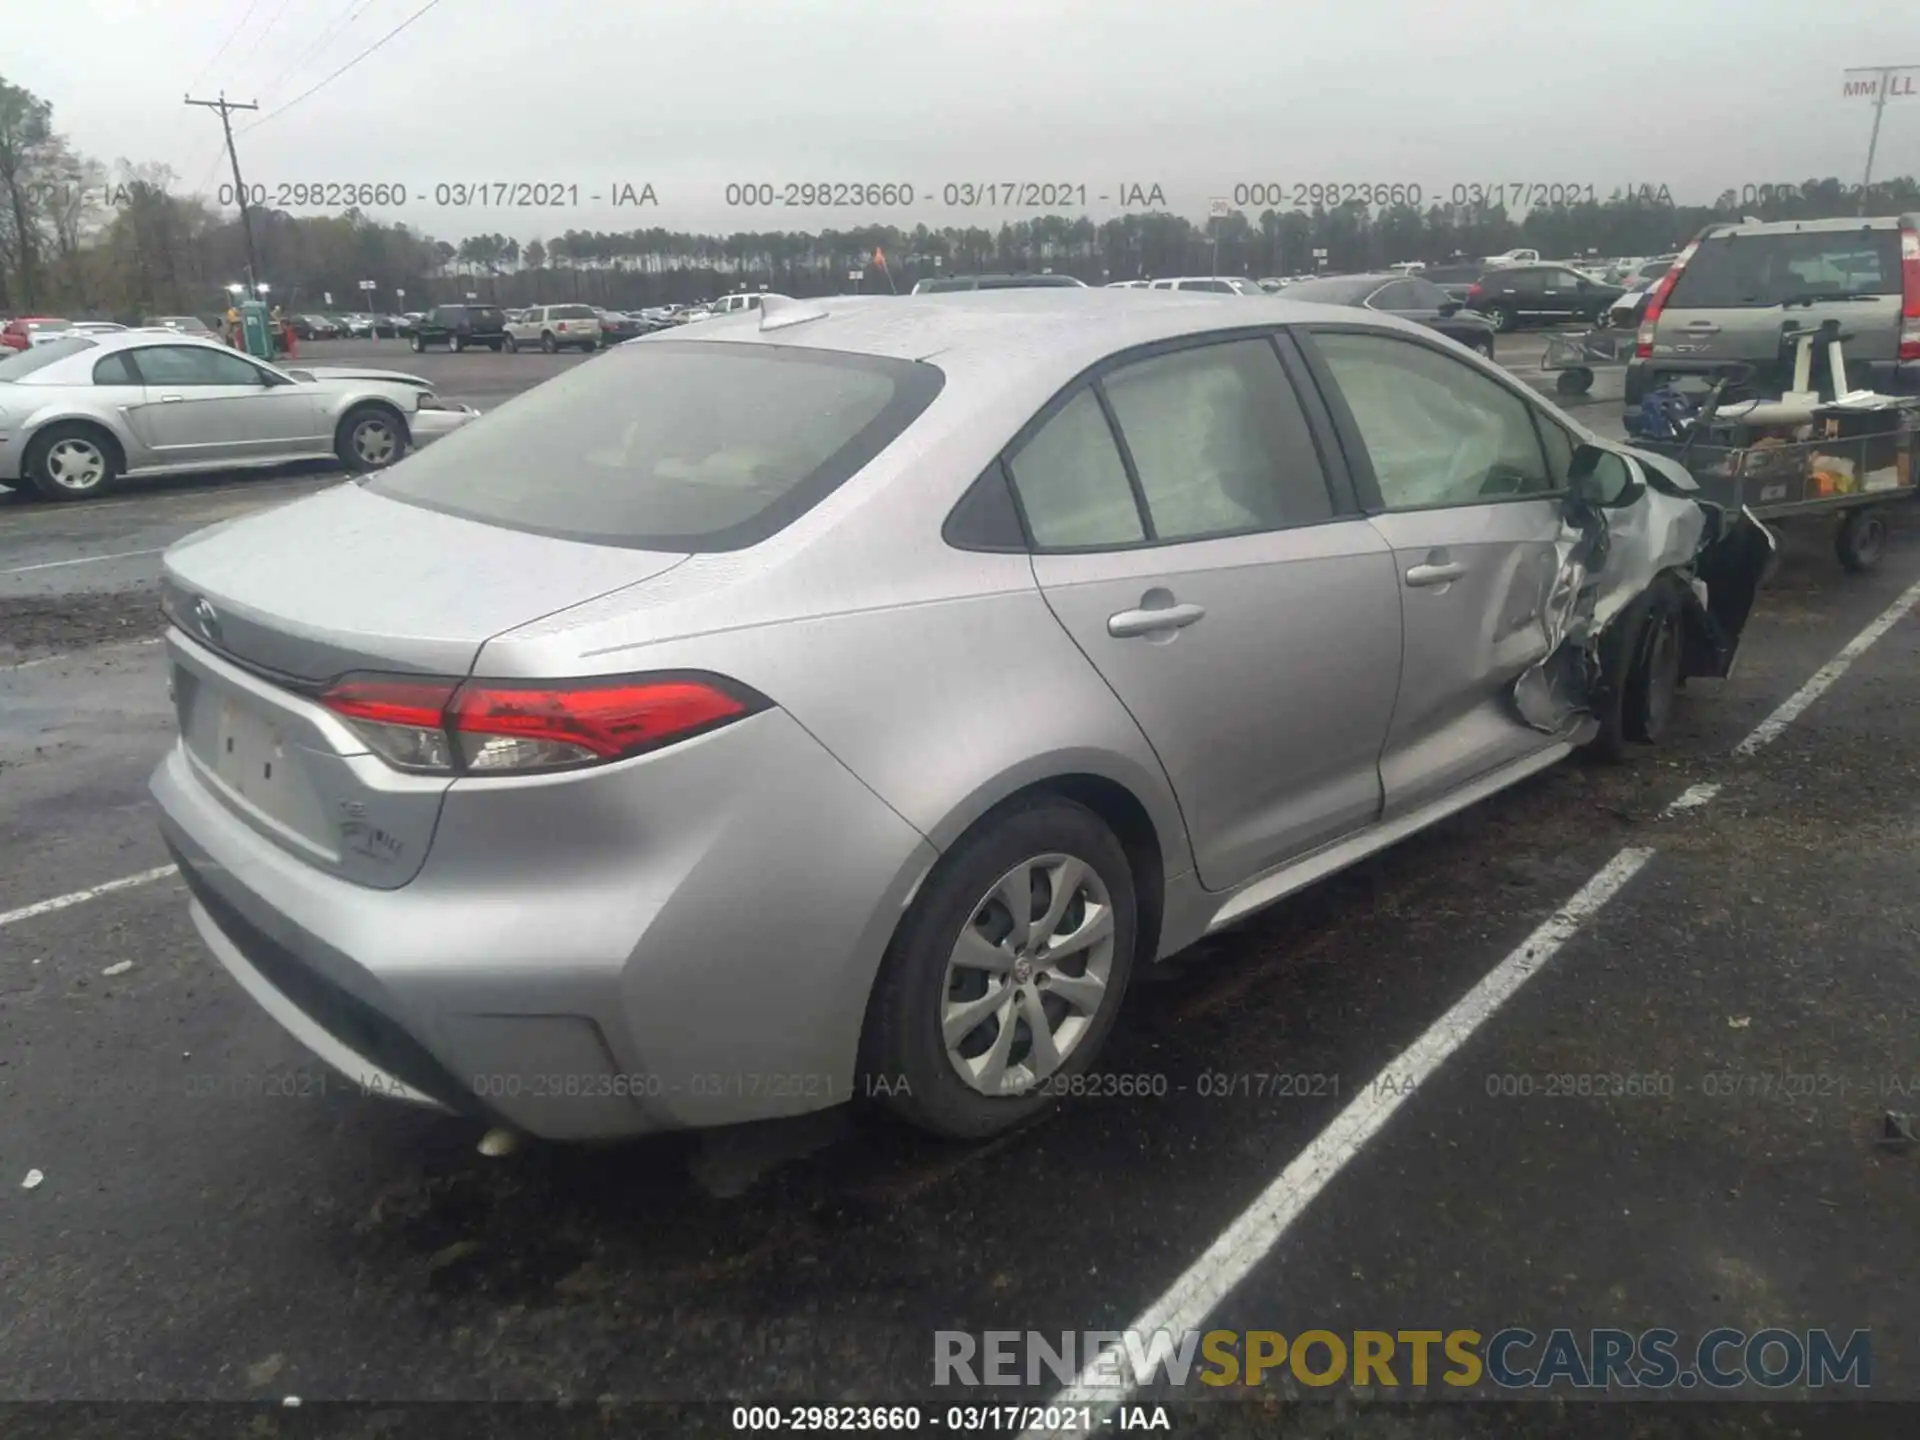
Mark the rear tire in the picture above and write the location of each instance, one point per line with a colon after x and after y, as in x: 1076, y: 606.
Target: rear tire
x: 458, y: 344
x: 1577, y: 381
x: 419, y: 345
x: 1503, y: 319
x: 511, y: 345
x: 370, y: 437
x: 72, y: 461
x: 915, y: 1060
x: 548, y: 344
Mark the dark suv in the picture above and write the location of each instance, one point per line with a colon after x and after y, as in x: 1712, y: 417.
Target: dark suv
x: 458, y: 326
x: 1739, y: 293
x: 1516, y: 295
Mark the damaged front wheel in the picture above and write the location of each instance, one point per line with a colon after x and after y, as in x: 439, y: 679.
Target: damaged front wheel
x: 1640, y: 665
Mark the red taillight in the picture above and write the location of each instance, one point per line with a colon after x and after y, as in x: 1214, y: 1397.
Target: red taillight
x: 562, y: 325
x: 1474, y: 292
x: 1656, y: 302
x: 419, y: 703
x: 1910, y: 293
x: 516, y: 726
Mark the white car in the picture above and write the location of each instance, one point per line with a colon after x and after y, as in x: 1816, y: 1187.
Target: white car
x: 80, y: 412
x: 554, y: 328
x: 1217, y: 284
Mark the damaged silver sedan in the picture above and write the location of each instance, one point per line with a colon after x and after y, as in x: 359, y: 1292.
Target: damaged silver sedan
x: 849, y: 697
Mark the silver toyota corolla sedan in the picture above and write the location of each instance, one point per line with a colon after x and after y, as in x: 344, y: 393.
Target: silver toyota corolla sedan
x: 844, y: 702
x: 79, y: 413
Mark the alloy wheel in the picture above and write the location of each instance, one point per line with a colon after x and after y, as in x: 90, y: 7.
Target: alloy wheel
x: 374, y: 442
x: 1028, y: 975
x: 76, y: 465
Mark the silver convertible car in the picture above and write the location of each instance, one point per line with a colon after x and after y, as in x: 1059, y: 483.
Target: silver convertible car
x: 846, y: 701
x: 78, y: 414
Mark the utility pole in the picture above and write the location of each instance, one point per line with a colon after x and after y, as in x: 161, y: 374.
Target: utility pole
x: 226, y: 109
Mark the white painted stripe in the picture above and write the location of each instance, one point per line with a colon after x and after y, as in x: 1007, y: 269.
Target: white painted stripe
x: 80, y: 654
x: 1823, y: 679
x: 1250, y: 1238
x: 61, y: 902
x: 1692, y: 798
x: 84, y: 560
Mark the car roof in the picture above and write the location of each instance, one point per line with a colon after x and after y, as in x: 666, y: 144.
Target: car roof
x: 1789, y: 227
x: 1045, y: 335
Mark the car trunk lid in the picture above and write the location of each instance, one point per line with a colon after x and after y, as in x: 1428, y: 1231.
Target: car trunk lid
x: 270, y: 608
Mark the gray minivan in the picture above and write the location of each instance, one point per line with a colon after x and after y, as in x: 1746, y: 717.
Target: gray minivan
x: 1738, y: 289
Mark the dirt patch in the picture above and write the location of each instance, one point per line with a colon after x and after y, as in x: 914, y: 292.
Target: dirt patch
x: 36, y: 625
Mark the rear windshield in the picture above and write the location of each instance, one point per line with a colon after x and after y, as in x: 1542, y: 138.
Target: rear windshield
x: 567, y: 312
x: 1756, y: 271
x: 1028, y: 282
x: 40, y: 356
x: 671, y: 445
x: 941, y: 287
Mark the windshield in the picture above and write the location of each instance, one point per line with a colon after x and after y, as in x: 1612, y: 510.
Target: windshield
x: 1758, y: 271
x: 672, y: 446
x: 25, y: 362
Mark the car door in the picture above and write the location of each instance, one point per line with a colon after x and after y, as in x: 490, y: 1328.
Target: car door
x: 1450, y: 465
x: 1188, y: 537
x: 207, y: 405
x: 1564, y: 294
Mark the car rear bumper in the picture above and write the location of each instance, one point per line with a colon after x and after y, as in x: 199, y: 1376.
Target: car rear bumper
x: 684, y: 939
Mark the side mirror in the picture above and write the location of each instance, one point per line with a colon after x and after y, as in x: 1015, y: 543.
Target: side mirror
x: 1450, y: 307
x: 1604, y: 478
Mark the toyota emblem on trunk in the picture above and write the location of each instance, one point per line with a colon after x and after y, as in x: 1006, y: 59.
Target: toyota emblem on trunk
x: 207, y: 619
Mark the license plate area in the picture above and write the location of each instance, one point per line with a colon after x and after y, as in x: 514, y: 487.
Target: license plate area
x: 250, y: 756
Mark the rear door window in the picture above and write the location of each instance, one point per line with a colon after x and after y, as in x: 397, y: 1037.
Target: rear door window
x: 1218, y: 441
x: 1760, y: 271
x: 1073, y: 484
x: 677, y: 445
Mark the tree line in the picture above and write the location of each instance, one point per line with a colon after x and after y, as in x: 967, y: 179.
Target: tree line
x: 80, y: 237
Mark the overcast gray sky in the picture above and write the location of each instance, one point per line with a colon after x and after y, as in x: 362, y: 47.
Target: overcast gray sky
x: 689, y: 95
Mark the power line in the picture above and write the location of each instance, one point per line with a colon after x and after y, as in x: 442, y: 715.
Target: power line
x: 343, y: 69
x: 319, y: 45
x: 260, y: 39
x: 252, y: 6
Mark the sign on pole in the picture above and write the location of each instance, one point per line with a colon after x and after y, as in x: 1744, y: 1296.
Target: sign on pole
x: 1878, y: 83
x: 327, y: 297
x: 1219, y: 208
x: 1875, y: 82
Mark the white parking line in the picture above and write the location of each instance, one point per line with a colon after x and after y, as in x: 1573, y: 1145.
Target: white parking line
x: 1769, y: 729
x: 61, y: 902
x: 84, y: 560
x: 1249, y: 1239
